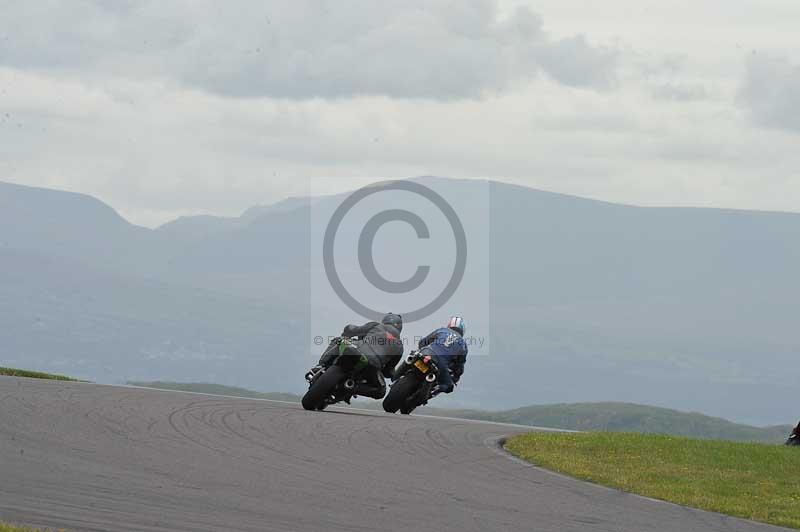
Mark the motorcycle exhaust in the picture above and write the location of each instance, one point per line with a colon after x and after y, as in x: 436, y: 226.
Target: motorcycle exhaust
x: 349, y: 384
x: 430, y: 377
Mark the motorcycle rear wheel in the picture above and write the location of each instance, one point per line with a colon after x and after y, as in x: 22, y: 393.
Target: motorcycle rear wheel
x: 323, y: 387
x: 399, y: 394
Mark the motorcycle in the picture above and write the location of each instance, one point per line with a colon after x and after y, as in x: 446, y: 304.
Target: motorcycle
x: 327, y: 386
x: 794, y: 439
x: 418, y: 375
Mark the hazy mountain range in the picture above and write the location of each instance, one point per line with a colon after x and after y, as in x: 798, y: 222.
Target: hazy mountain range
x: 694, y: 309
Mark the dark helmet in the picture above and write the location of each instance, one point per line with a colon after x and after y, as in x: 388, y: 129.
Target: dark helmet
x: 457, y: 324
x: 395, y: 320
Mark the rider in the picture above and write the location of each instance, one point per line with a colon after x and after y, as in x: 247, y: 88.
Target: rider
x: 381, y: 344
x: 449, y: 350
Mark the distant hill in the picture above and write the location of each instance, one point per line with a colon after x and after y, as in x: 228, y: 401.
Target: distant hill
x: 626, y: 417
x: 288, y: 204
x: 203, y: 226
x: 196, y: 228
x: 63, y: 316
x: 691, y: 309
x: 72, y: 226
x: 611, y: 417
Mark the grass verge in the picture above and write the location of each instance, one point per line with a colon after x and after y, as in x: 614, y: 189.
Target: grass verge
x: 12, y: 528
x: 749, y: 480
x: 11, y: 372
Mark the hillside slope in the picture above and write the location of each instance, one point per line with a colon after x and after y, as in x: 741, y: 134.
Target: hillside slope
x: 687, y: 308
x: 626, y: 417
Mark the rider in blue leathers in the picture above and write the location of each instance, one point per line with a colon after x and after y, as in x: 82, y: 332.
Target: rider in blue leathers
x: 449, y: 352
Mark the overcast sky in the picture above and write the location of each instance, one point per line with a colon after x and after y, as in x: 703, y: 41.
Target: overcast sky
x: 166, y: 108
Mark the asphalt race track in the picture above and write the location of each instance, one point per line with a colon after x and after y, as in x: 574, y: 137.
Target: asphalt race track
x: 88, y: 457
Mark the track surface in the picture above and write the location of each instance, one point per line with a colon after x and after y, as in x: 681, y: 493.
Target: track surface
x: 88, y: 457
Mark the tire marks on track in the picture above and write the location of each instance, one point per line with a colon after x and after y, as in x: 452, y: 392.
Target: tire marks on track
x: 116, y: 458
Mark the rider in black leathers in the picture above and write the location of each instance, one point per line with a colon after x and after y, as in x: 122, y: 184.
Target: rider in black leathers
x: 383, y: 347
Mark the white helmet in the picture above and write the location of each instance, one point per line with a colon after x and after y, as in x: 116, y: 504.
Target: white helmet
x: 457, y: 324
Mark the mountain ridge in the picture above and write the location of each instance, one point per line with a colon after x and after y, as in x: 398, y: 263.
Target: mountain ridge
x: 685, y: 307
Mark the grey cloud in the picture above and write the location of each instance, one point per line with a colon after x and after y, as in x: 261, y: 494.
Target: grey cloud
x: 305, y: 49
x: 574, y: 62
x: 771, y: 92
x: 680, y: 92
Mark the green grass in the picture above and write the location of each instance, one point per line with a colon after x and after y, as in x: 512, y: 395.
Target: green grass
x: 749, y: 480
x: 12, y: 372
x: 13, y: 528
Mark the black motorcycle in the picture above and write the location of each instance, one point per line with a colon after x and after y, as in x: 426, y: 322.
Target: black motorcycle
x: 794, y: 439
x: 327, y: 386
x: 418, y: 375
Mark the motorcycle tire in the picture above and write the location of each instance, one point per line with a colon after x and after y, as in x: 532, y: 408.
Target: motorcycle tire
x: 323, y: 387
x: 399, y: 393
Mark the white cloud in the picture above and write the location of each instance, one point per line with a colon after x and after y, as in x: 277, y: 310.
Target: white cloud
x: 150, y: 121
